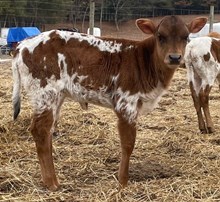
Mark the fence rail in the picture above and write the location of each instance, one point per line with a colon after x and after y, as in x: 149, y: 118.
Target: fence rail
x: 83, y: 15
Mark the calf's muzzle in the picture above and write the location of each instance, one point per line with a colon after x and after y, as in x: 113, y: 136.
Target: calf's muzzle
x: 175, y: 58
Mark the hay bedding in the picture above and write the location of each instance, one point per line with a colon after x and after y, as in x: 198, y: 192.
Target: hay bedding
x: 171, y: 160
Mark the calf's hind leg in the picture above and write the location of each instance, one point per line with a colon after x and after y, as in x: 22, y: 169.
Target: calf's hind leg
x: 198, y: 107
x: 204, y: 100
x: 41, y: 131
x: 56, y: 113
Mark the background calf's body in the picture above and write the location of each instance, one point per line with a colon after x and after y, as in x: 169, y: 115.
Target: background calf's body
x: 203, y: 67
x: 127, y: 76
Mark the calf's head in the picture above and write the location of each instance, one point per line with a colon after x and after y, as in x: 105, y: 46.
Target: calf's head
x: 171, y: 36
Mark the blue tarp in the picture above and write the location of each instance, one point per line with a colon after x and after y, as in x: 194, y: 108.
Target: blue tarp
x: 16, y: 34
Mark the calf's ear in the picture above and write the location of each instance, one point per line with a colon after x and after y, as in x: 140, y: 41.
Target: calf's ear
x: 146, y: 26
x: 197, y: 24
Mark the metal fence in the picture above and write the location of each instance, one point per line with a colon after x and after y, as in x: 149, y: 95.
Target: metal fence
x: 83, y: 15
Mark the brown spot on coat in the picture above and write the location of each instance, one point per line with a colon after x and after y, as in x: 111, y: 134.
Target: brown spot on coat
x: 215, y: 49
x: 206, y: 57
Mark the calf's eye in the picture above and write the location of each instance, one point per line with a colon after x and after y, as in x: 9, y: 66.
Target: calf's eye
x: 161, y: 38
x: 185, y: 38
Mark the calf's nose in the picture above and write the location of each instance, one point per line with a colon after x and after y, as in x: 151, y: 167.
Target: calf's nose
x: 175, y: 58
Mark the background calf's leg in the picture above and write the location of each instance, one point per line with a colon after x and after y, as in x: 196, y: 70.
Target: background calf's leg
x: 204, y: 100
x: 197, y: 106
x: 40, y: 130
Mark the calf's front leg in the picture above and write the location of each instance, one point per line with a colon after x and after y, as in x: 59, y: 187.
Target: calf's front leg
x: 41, y: 131
x: 127, y: 133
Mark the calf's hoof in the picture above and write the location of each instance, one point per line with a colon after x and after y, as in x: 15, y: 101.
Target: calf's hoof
x: 203, y: 131
x: 123, y: 183
x: 208, y: 130
x: 211, y: 129
x: 52, y: 186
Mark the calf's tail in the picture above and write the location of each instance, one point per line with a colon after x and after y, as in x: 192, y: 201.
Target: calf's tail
x: 16, y: 95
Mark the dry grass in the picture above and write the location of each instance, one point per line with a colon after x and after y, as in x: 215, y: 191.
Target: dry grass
x: 171, y: 160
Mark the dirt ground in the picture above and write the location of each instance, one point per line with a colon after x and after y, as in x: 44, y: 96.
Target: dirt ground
x: 126, y: 29
x: 171, y: 161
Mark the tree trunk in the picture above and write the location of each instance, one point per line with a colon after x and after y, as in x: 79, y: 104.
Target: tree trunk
x: 116, y: 19
x: 83, y: 21
x: 5, y: 21
x: 16, y: 24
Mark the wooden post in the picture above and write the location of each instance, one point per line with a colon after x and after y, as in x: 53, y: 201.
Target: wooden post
x: 211, y: 18
x: 91, y: 16
x: 101, y: 13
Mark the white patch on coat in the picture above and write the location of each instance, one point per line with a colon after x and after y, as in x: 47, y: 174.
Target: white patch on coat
x: 129, y: 47
x: 151, y: 99
x: 72, y: 85
x: 200, y: 72
x: 115, y: 79
x: 32, y: 43
x: 102, y: 45
x: 128, y: 104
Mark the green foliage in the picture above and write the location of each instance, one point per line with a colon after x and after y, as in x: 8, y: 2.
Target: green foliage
x: 13, y: 7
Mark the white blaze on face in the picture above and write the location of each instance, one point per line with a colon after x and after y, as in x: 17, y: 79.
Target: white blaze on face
x: 201, y: 72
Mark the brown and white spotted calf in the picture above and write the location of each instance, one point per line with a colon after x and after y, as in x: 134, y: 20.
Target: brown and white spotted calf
x: 202, y: 60
x: 127, y: 76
